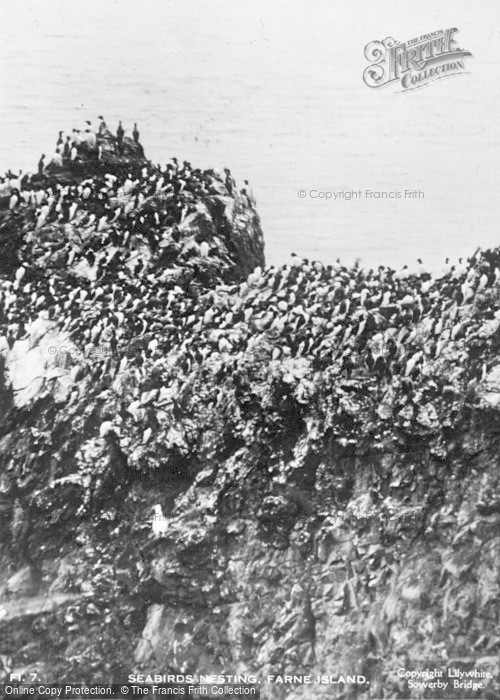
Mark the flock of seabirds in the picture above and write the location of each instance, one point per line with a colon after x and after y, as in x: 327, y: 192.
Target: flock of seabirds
x: 110, y: 260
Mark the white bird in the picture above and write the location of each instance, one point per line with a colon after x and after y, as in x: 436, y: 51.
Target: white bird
x: 439, y: 346
x: 91, y: 139
x: 412, y: 362
x: 460, y: 270
x: 42, y: 216
x: 107, y: 427
x: 426, y: 286
x: 456, y: 330
x: 407, y: 300
x: 254, y: 276
x: 468, y: 292
x: 72, y: 210
x: 57, y: 159
x: 76, y: 373
x: 224, y: 345
x: 446, y: 269
x: 361, y: 327
x: 208, y: 316
x: 363, y: 297
x: 483, y: 281
x: 204, y: 249
x: 387, y: 298
x: 159, y: 523
x: 422, y: 270
x: 279, y: 324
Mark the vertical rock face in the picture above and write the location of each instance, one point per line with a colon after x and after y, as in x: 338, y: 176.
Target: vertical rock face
x: 356, y: 565
x: 319, y: 443
x: 238, y: 218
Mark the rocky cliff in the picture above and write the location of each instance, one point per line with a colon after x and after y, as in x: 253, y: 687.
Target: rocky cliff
x: 321, y: 439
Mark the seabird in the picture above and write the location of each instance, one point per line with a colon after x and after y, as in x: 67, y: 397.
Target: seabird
x: 14, y: 199
x: 20, y: 273
x: 90, y: 138
x: 102, y: 126
x: 159, y: 523
x: 107, y: 427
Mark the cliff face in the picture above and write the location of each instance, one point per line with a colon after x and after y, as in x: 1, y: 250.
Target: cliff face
x: 322, y: 440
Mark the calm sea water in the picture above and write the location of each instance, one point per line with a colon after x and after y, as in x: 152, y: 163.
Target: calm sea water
x: 273, y: 90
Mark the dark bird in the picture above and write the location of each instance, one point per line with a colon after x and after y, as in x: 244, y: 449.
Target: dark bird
x: 120, y: 133
x: 102, y: 126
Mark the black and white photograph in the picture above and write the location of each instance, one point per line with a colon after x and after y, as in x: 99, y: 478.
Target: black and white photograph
x: 250, y: 349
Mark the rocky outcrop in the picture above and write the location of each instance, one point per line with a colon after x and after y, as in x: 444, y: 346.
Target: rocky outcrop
x: 323, y: 443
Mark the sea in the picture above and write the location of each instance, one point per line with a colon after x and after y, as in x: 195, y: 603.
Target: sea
x: 274, y: 90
